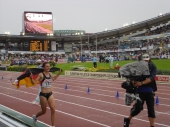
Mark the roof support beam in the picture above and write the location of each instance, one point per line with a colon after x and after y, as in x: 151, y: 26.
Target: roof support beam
x: 147, y: 25
x: 118, y: 35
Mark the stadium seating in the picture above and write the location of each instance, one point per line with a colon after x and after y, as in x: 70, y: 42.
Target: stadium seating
x: 159, y: 30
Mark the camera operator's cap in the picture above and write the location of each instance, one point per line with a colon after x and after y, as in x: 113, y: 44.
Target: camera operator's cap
x: 38, y: 61
x: 146, y: 57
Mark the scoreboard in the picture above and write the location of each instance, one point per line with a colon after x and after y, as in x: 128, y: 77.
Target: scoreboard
x: 37, y: 45
x: 40, y: 46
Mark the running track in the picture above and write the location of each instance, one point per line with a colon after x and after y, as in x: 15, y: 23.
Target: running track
x: 76, y: 108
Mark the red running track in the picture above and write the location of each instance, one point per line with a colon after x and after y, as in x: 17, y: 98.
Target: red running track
x: 76, y: 108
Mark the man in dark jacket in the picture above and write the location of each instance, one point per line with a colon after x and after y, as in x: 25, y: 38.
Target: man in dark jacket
x: 146, y: 90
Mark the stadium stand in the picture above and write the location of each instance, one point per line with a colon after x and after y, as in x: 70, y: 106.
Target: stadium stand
x: 159, y: 30
x: 131, y: 40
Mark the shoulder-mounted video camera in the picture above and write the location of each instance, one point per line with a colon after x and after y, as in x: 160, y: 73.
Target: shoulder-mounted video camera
x: 136, y: 71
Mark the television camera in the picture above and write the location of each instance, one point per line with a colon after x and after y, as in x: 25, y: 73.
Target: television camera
x: 136, y: 71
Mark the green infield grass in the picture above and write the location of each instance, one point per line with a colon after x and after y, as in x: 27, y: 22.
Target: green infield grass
x: 163, y: 64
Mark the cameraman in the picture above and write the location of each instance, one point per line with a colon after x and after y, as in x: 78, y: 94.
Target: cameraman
x: 146, y: 93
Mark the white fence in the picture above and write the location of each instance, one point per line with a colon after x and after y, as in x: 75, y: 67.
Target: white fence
x: 158, y: 78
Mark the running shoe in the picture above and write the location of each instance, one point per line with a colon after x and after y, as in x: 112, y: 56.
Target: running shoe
x: 15, y: 83
x: 35, y: 102
x: 34, y: 119
x: 126, y: 122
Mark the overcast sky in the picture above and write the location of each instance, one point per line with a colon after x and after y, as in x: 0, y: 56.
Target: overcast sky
x: 89, y: 15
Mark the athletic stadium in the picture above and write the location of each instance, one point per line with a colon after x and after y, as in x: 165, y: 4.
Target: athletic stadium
x: 85, y: 95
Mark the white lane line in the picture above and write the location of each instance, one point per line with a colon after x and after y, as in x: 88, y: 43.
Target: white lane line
x: 24, y: 114
x: 104, y: 95
x: 100, y: 83
x: 107, y: 91
x: 84, y: 79
x: 106, y: 86
x: 101, y: 109
x: 80, y: 81
x: 91, y: 82
x: 85, y: 118
x: 92, y: 79
x: 100, y: 89
x: 100, y: 94
x: 61, y: 112
x: 103, y: 90
x: 70, y: 102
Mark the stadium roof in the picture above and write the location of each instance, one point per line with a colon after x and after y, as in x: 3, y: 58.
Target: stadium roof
x: 69, y: 32
x: 109, y: 34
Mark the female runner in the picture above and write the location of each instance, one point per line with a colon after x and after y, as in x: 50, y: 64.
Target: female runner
x: 45, y: 78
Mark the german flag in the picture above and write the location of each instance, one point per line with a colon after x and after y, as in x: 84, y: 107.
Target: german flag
x: 24, y: 78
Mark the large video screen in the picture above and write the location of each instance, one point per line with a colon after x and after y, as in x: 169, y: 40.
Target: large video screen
x: 38, y: 22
